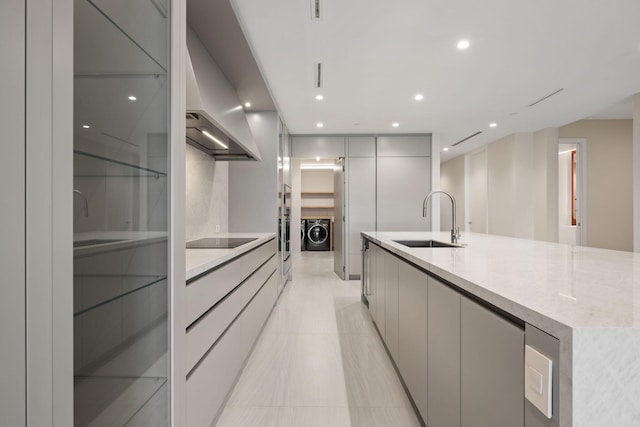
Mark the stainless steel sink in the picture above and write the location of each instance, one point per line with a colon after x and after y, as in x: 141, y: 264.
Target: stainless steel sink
x: 91, y: 242
x: 427, y: 244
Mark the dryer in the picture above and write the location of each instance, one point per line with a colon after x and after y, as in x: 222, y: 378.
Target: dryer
x: 318, y: 235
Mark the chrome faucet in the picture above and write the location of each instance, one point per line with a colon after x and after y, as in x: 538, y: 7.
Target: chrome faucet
x: 455, y: 231
x: 84, y: 198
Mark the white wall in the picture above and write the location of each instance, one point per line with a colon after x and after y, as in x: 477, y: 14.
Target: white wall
x: 545, y: 185
x: 207, y: 194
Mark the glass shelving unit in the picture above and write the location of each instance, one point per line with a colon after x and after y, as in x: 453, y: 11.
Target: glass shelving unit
x: 121, y: 290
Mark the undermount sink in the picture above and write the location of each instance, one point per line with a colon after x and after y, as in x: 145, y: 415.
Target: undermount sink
x: 91, y: 242
x: 427, y: 244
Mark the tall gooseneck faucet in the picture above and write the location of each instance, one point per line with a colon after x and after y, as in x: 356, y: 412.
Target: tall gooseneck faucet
x: 455, y: 231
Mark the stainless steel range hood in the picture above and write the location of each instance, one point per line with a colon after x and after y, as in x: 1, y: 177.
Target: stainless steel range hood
x: 215, y: 120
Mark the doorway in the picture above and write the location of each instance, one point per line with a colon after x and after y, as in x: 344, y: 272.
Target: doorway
x: 571, y: 191
x: 476, y: 164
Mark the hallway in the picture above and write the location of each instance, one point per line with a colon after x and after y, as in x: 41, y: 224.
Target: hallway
x: 319, y: 361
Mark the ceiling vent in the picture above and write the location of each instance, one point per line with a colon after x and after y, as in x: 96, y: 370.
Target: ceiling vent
x: 544, y: 98
x: 466, y: 139
x: 317, y: 75
x: 316, y: 12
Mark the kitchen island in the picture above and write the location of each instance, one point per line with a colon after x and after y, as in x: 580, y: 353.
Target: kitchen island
x: 587, y: 299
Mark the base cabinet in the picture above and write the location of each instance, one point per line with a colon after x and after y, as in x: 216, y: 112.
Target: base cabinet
x: 461, y: 362
x: 443, y: 358
x: 491, y: 369
x: 412, y: 337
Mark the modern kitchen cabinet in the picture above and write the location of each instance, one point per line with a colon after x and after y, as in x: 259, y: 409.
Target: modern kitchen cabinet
x: 443, y: 357
x: 412, y: 333
x: 361, y: 196
x: 491, y: 368
x: 391, y: 264
x: 227, y: 308
x: 461, y: 362
x: 403, y: 177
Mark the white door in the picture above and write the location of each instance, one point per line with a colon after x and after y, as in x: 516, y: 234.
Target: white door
x: 477, y: 196
x: 338, y: 222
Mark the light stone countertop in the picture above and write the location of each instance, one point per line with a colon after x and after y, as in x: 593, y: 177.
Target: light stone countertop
x: 588, y: 298
x: 199, y: 261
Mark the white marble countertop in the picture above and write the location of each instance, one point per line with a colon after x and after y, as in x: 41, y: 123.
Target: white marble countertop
x: 549, y: 285
x: 199, y: 261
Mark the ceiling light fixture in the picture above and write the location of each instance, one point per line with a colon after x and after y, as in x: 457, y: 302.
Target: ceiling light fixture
x: 395, y: 124
x: 492, y: 125
x: 317, y: 158
x: 445, y: 149
x: 247, y: 104
x: 319, y: 124
x: 214, y: 139
x: 319, y: 97
x: 463, y: 44
x: 86, y: 126
x: 132, y: 98
x: 316, y: 166
x: 419, y: 97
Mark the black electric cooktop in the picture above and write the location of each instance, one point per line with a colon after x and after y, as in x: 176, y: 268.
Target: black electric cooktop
x: 219, y: 242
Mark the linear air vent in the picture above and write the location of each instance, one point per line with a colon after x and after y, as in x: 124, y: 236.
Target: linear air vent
x: 315, y: 9
x: 317, y: 75
x: 539, y: 100
x: 467, y: 138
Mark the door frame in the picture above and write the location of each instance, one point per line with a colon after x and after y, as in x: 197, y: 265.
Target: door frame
x: 581, y: 160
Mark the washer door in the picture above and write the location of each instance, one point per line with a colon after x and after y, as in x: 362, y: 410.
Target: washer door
x: 317, y: 234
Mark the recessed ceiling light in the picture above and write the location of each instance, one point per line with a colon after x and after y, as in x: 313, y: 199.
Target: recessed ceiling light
x: 86, y: 126
x: 463, y: 44
x: 132, y: 98
x: 445, y: 149
x: 319, y: 124
x: 492, y: 125
x: 247, y: 104
x: 317, y: 158
x: 395, y: 124
x: 319, y: 97
x: 419, y: 97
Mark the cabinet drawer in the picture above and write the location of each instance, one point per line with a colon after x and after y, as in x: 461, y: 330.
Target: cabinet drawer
x: 208, y: 290
x: 203, y: 334
x: 255, y: 258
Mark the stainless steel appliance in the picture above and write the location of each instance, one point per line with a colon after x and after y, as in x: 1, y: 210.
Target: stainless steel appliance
x: 303, y: 240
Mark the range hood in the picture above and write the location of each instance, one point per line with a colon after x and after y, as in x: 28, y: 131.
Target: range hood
x: 215, y: 120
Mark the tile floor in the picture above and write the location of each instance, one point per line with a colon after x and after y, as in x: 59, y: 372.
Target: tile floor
x: 319, y: 361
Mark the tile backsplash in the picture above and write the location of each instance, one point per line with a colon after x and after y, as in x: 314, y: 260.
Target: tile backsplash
x: 207, y: 194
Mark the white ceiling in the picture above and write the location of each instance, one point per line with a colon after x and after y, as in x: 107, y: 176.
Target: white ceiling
x: 377, y: 54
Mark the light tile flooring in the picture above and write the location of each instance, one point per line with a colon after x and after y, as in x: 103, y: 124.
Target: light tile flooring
x: 319, y: 361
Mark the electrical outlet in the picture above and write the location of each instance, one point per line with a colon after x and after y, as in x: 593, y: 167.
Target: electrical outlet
x: 217, y: 228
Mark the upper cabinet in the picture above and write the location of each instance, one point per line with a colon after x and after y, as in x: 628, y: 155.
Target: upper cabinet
x: 318, y: 146
x: 403, y: 145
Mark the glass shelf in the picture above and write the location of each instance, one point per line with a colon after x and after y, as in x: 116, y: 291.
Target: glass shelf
x: 101, y: 289
x: 95, y: 166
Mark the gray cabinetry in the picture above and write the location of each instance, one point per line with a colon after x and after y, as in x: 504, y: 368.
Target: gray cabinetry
x: 403, y: 182
x: 491, y: 369
x: 312, y: 146
x: 412, y: 336
x: 380, y: 289
x: 361, y: 196
x: 391, y: 303
x: 443, y: 355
